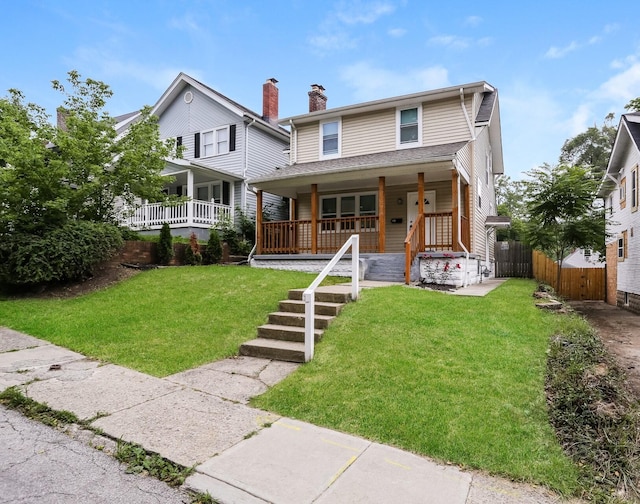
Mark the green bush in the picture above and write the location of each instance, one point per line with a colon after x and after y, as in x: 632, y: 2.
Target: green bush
x: 213, y: 252
x: 129, y: 235
x: 165, y: 245
x: 63, y: 254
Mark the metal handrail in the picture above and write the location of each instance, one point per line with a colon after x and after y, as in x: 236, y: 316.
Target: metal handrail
x: 308, y: 296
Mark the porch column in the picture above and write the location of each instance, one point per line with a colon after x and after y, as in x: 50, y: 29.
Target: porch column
x: 314, y: 218
x: 423, y: 221
x: 382, y: 215
x: 190, y: 195
x: 455, y: 211
x: 292, y: 209
x: 259, y: 222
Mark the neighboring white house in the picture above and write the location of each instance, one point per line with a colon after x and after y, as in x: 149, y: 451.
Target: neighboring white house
x: 619, y: 190
x: 583, y: 258
x: 224, y: 144
x: 409, y: 174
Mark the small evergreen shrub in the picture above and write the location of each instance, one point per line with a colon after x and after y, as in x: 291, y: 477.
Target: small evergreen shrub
x: 165, y: 245
x: 213, y: 253
x: 67, y: 253
x: 129, y: 235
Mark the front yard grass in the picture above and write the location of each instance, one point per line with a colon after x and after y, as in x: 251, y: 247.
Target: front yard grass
x: 161, y: 321
x: 456, y: 378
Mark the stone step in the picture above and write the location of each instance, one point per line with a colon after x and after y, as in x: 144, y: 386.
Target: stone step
x: 298, y: 319
x: 339, y: 295
x: 285, y: 333
x: 274, y: 349
x: 296, y: 306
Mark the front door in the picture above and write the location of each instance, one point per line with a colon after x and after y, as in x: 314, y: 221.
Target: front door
x: 428, y: 205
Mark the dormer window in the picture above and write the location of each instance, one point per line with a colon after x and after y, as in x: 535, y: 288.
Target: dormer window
x: 330, y: 139
x: 409, y: 132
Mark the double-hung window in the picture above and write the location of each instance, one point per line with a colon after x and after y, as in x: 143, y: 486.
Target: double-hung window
x: 214, y: 142
x: 357, y: 210
x: 409, y: 127
x: 634, y: 189
x: 329, y: 139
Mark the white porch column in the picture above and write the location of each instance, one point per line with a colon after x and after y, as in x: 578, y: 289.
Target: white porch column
x: 190, y: 195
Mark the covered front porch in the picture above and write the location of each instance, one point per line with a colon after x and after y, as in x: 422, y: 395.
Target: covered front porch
x: 385, y: 211
x: 203, y: 199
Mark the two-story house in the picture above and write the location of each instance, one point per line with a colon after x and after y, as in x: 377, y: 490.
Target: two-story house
x: 410, y: 174
x: 224, y: 144
x: 619, y: 190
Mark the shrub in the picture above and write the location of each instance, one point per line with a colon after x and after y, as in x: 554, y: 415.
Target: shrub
x: 129, y: 235
x: 192, y: 256
x: 67, y: 253
x: 165, y: 245
x: 247, y: 227
x: 213, y: 253
x: 229, y: 234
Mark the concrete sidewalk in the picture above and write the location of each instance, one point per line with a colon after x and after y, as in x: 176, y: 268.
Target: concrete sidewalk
x: 241, y: 454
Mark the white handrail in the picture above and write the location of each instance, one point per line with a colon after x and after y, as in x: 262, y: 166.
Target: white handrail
x: 308, y: 296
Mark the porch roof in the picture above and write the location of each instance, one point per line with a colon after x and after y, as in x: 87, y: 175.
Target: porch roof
x: 176, y: 166
x: 342, y: 169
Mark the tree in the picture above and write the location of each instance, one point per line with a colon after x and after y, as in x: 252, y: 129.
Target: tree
x: 53, y: 177
x: 561, y: 213
x: 165, y: 245
x: 591, y: 148
x: 510, y: 203
x: 633, y: 105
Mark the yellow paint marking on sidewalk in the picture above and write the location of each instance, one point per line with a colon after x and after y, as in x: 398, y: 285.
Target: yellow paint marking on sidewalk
x: 398, y: 464
x: 287, y: 426
x: 342, y: 469
x: 328, y: 441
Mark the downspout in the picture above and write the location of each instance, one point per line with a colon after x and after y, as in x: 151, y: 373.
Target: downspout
x: 245, y: 186
x: 459, y: 237
x: 293, y: 145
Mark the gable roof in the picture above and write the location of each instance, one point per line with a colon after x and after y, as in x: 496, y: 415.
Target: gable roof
x: 183, y: 80
x: 627, y: 137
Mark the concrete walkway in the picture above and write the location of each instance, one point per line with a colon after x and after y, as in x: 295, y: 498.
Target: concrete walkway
x: 241, y: 454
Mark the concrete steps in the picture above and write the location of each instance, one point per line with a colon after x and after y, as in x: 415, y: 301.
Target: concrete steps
x: 282, y: 338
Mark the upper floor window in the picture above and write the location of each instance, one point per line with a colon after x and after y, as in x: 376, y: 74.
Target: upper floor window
x: 634, y: 189
x: 623, y: 192
x: 330, y: 139
x: 409, y: 132
x: 215, y: 142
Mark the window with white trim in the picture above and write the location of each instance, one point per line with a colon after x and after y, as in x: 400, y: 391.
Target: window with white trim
x: 356, y: 206
x: 634, y: 189
x: 215, y: 142
x: 409, y: 124
x: 330, y: 139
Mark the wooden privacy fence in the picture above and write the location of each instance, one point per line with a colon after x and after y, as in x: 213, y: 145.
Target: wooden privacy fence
x: 575, y: 283
x: 513, y: 259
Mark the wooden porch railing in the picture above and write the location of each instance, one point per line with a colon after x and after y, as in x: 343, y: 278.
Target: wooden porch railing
x: 294, y: 237
x: 413, y: 243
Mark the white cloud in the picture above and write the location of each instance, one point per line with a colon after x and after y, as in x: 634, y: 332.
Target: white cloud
x: 185, y: 23
x: 473, y: 21
x: 623, y: 86
x: 611, y: 28
x: 397, y: 32
x: 579, y: 121
x: 363, y: 12
x: 453, y: 41
x: 370, y: 83
x: 561, y: 52
x: 332, y: 41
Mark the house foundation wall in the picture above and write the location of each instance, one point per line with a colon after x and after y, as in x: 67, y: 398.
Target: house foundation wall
x: 308, y: 264
x: 628, y: 301
x: 453, y: 268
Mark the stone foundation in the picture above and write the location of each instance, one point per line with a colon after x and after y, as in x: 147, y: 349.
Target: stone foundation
x: 312, y: 263
x: 633, y: 301
x: 453, y: 268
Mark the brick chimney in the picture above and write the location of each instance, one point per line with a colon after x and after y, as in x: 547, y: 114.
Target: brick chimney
x: 317, y: 99
x: 270, y: 101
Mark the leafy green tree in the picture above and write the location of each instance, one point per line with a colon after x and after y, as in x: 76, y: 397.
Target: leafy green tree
x: 510, y: 203
x: 591, y: 148
x: 633, y: 105
x: 561, y: 211
x: 165, y: 245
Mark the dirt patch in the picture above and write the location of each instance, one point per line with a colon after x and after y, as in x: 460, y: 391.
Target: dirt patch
x: 619, y: 330
x: 104, y: 276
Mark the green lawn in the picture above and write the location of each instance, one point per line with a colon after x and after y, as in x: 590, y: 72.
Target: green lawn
x: 161, y: 321
x: 459, y: 379
x: 456, y: 378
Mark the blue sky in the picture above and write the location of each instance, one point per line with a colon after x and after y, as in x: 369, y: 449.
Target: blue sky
x: 560, y: 66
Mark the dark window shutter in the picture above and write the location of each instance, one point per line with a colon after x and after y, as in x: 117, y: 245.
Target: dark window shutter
x: 232, y: 138
x: 196, y: 145
x: 226, y: 193
x: 179, y: 141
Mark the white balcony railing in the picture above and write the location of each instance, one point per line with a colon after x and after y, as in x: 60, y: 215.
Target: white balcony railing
x: 194, y: 213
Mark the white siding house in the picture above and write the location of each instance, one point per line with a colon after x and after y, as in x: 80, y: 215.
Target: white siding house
x: 619, y: 190
x: 224, y: 144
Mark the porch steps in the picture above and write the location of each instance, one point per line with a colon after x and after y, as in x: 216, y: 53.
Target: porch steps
x: 385, y: 267
x: 282, y: 338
